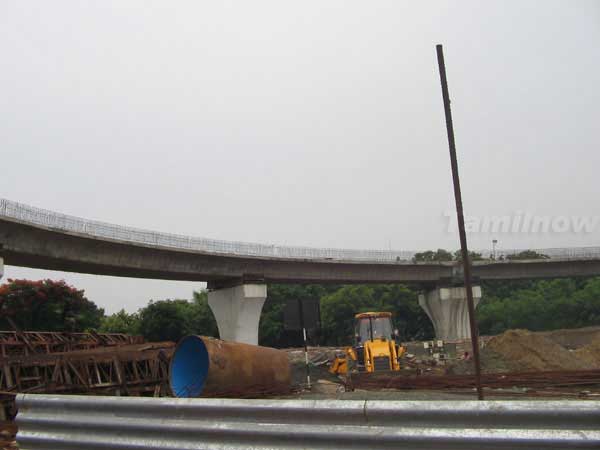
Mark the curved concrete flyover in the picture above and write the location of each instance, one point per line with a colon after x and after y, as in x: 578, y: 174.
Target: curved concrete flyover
x: 38, y: 247
x: 237, y: 271
x: 37, y: 238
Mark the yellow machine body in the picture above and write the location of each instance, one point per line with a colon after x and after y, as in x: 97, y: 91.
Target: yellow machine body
x: 374, y: 348
x: 341, y: 364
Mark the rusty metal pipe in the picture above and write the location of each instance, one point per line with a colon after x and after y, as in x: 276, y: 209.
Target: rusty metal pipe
x: 207, y: 367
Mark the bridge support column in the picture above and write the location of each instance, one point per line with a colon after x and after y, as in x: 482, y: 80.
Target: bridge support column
x: 237, y: 311
x: 447, y: 308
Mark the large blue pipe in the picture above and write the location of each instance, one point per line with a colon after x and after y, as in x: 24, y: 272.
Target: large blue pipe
x: 203, y: 366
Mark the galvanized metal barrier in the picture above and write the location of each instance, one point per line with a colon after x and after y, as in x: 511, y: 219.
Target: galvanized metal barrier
x: 85, y: 422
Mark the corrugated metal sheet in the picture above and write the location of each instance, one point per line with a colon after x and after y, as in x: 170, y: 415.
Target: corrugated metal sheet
x: 85, y: 422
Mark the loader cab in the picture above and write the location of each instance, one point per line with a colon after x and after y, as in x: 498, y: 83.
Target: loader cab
x: 371, y: 326
x: 374, y: 348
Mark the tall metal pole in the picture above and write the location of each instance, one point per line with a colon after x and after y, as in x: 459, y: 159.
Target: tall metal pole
x: 461, y: 221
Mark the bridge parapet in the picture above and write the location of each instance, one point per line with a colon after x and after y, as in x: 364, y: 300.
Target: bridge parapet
x: 21, y: 213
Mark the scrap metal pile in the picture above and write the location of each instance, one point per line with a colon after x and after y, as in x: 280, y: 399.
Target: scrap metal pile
x: 125, y: 369
x: 23, y: 343
x: 94, y: 363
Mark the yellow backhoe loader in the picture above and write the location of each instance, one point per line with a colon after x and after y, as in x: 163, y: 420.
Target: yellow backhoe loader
x: 374, y: 348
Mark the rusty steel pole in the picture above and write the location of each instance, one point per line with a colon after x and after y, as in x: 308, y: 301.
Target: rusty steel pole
x: 461, y: 221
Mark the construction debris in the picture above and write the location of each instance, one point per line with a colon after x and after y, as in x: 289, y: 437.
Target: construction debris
x: 135, y: 369
x: 8, y: 431
x: 390, y: 380
x: 124, y: 369
x: 24, y: 343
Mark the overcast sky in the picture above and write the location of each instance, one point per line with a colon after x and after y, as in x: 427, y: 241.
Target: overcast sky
x: 298, y: 123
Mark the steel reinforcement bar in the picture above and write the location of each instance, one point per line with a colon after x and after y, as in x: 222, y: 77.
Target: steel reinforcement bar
x: 542, y: 379
x: 119, y: 423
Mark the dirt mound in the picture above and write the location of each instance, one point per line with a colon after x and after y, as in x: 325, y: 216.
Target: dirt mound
x: 526, y: 351
x: 590, y: 354
x: 573, y: 338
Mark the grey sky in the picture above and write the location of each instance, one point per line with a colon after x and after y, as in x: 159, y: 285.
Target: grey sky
x: 298, y: 123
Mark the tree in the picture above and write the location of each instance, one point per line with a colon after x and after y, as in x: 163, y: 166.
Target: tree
x: 339, y: 308
x: 271, y: 330
x: 473, y: 256
x: 441, y: 255
x: 527, y: 254
x: 164, y: 320
x: 201, y: 320
x: 121, y: 322
x: 170, y: 320
x: 47, y: 305
x: 540, y: 305
x: 586, y: 304
x: 431, y: 256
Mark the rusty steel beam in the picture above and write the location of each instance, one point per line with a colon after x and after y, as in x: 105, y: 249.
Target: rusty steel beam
x: 117, y: 370
x: 24, y: 343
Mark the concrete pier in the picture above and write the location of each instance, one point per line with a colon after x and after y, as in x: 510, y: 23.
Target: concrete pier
x: 447, y: 308
x: 237, y: 311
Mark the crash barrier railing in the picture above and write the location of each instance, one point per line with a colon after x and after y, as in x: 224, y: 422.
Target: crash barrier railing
x: 120, y: 423
x: 71, y: 224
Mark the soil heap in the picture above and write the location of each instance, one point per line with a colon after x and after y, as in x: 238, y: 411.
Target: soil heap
x: 590, y: 354
x: 526, y: 351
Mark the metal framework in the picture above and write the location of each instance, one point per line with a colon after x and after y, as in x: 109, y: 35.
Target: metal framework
x: 24, y: 343
x: 127, y: 369
x: 70, y: 224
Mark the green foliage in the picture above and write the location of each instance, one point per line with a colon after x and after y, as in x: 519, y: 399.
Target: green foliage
x: 47, y: 305
x: 338, y: 307
x: 430, y: 256
x: 586, y: 304
x: 121, y: 322
x: 473, y: 256
x: 170, y: 320
x: 527, y: 254
x: 539, y: 305
x: 338, y: 310
x: 441, y: 255
x: 164, y: 320
x: 201, y: 320
x: 271, y: 331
